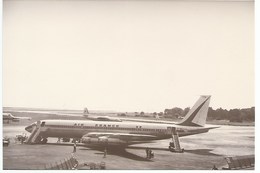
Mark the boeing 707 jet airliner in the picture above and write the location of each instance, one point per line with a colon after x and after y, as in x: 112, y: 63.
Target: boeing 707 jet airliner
x: 123, y: 133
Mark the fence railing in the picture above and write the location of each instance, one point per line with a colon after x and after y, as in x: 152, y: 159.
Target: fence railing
x: 65, y: 164
x: 240, y: 162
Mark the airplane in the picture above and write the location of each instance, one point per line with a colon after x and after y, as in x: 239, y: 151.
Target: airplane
x: 86, y: 114
x: 89, y: 116
x: 123, y: 133
x: 10, y: 117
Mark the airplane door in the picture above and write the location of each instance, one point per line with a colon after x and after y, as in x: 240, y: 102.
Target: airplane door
x: 38, y: 124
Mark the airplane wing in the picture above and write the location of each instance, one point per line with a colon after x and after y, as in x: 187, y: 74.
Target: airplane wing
x: 120, y: 135
x: 116, y: 138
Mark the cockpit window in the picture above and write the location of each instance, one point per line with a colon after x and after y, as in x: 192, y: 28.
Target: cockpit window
x: 42, y: 124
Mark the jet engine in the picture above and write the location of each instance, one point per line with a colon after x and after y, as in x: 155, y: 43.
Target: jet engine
x: 102, y: 140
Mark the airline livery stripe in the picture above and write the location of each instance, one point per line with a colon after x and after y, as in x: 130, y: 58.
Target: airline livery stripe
x: 111, y: 128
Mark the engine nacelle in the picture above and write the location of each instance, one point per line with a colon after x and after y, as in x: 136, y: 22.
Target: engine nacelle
x: 102, y: 140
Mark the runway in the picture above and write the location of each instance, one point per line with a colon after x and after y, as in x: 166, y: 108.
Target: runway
x: 202, y: 151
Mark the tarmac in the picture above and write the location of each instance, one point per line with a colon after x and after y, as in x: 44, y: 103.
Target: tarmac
x: 202, y: 151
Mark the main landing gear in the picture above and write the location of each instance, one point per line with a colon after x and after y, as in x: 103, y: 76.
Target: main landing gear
x: 41, y: 140
x: 44, y: 140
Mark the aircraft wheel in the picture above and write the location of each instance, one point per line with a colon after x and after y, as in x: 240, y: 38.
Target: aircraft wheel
x: 171, y: 149
x: 38, y: 140
x: 44, y: 140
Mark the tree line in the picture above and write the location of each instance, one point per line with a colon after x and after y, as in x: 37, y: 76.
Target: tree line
x: 233, y: 115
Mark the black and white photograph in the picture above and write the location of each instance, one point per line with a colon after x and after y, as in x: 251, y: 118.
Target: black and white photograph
x: 128, y: 85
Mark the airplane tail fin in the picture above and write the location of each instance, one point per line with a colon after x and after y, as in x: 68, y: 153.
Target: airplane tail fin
x: 198, y: 113
x: 85, y: 112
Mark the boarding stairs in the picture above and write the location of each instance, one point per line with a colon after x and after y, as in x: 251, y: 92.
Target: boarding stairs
x: 34, y: 135
x: 176, y: 142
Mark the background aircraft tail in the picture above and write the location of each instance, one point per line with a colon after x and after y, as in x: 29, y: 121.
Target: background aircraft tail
x: 198, y: 113
x: 85, y: 112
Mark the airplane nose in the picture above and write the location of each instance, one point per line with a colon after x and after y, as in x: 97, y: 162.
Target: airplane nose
x: 83, y: 139
x: 29, y: 128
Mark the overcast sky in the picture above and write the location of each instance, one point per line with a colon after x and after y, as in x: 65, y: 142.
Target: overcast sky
x: 127, y: 55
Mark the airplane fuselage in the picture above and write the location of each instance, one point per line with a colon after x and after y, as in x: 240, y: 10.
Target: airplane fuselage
x: 77, y: 128
x: 9, y: 117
